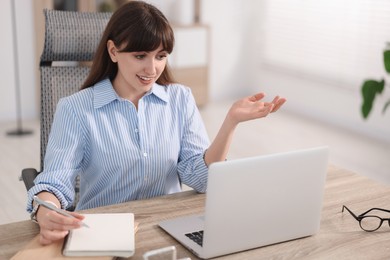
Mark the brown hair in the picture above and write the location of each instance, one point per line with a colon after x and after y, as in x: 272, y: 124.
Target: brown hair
x: 137, y: 26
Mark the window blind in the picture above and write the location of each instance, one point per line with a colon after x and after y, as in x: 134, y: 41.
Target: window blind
x: 338, y: 40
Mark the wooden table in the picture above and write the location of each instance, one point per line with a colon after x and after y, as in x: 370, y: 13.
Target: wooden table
x: 340, y: 236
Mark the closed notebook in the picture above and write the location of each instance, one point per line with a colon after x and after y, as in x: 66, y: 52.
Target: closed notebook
x: 109, y: 234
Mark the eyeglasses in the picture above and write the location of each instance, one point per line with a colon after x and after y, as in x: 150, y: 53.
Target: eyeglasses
x: 369, y: 223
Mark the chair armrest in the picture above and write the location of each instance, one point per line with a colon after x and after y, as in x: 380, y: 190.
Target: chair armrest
x: 28, y: 176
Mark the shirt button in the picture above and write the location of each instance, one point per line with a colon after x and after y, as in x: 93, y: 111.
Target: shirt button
x: 145, y: 154
x: 136, y: 130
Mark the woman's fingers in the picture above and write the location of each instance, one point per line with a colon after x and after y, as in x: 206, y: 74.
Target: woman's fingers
x: 77, y: 215
x: 265, y: 109
x: 60, y: 222
x: 278, y: 102
x: 257, y: 97
x: 253, y: 107
x: 55, y: 226
x: 49, y: 236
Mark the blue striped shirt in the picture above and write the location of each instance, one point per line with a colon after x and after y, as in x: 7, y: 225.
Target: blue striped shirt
x: 122, y: 154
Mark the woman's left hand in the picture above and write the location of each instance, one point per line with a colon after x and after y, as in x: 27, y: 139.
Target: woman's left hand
x: 253, y: 107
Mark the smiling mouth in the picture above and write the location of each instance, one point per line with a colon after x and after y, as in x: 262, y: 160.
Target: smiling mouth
x: 145, y: 78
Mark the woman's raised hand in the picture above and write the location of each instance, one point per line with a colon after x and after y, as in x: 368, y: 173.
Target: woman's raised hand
x: 253, y: 107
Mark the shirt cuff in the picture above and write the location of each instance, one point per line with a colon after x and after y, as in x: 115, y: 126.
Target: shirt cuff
x: 42, y: 187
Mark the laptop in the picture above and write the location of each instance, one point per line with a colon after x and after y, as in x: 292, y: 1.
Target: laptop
x: 254, y: 202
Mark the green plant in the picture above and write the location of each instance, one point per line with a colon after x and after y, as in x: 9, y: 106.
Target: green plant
x: 371, y: 88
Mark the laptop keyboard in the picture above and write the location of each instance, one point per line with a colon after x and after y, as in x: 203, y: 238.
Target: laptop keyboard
x: 197, y: 237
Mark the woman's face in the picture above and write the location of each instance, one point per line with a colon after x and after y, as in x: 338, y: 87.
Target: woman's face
x: 137, y: 71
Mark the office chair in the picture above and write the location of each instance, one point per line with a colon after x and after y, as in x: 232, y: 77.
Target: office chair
x: 71, y: 39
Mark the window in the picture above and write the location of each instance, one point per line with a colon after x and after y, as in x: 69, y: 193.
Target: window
x: 337, y: 40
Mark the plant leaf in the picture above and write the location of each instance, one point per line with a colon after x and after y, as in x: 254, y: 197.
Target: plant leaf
x: 369, y: 90
x: 386, y: 60
x: 386, y: 106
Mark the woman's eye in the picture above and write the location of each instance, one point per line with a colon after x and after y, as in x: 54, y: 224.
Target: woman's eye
x: 162, y: 56
x: 140, y: 57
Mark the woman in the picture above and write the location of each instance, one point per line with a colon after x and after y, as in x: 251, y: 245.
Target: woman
x: 130, y: 133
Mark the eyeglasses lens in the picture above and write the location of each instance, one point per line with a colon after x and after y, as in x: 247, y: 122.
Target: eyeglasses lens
x: 370, y: 223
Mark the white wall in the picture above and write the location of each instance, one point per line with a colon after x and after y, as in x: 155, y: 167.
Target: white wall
x: 232, y: 61
x: 27, y: 61
x: 238, y: 66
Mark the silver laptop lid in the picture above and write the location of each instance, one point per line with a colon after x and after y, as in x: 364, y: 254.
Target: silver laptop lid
x: 263, y: 200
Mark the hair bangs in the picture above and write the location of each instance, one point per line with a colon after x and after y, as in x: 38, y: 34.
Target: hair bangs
x: 148, y: 39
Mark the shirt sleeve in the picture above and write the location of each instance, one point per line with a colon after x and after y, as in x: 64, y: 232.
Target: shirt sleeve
x: 63, y: 157
x: 192, y: 168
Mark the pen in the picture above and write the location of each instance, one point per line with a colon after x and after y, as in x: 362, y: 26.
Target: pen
x: 51, y: 207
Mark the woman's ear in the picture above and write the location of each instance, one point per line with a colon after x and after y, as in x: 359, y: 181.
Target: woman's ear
x: 112, y: 51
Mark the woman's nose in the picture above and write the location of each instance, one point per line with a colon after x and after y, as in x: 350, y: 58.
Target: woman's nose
x: 150, y: 67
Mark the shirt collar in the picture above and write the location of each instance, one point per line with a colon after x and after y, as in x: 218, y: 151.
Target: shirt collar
x: 160, y: 91
x: 104, y: 93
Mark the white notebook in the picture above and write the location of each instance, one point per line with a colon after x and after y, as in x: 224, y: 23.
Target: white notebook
x: 109, y: 234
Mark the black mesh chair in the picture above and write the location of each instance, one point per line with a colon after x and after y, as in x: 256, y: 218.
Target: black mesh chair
x: 71, y: 39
